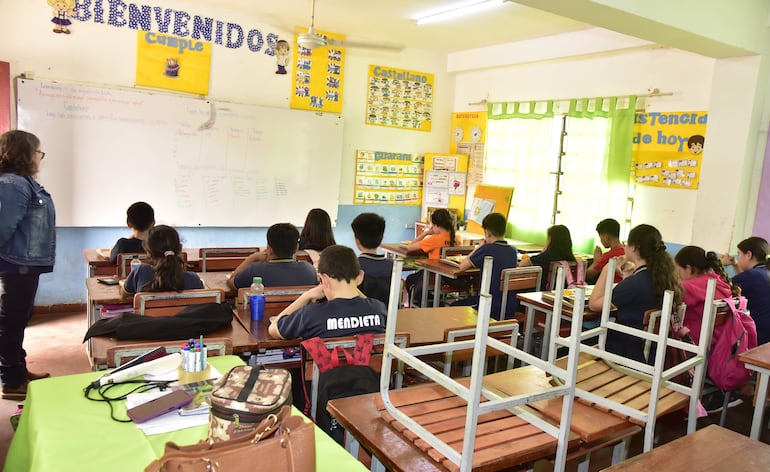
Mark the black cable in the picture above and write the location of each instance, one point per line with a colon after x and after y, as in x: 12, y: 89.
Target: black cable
x: 141, y: 387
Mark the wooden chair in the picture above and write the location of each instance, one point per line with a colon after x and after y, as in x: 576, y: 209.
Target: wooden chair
x: 169, y: 303
x: 445, y: 287
x: 375, y: 361
x: 303, y: 256
x: 223, y: 258
x: 574, y: 267
x: 518, y: 278
x: 124, y: 262
x: 456, y: 251
x: 119, y: 355
x: 506, y: 331
x: 654, y: 392
x: 276, y: 298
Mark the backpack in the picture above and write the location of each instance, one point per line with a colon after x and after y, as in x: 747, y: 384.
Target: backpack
x: 738, y: 335
x: 340, y: 381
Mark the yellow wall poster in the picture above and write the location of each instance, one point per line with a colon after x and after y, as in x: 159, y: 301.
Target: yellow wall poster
x: 318, y: 76
x: 668, y: 148
x: 388, y: 178
x: 399, y: 98
x: 469, y: 131
x: 445, y: 182
x: 173, y: 63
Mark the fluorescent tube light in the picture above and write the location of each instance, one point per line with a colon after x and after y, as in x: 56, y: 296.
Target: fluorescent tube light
x: 458, y: 10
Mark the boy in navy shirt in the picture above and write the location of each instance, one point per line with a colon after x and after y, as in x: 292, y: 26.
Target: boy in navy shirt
x: 504, y: 257
x: 368, y: 229
x: 140, y: 217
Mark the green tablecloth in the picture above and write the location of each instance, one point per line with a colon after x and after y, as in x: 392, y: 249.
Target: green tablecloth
x: 62, y: 431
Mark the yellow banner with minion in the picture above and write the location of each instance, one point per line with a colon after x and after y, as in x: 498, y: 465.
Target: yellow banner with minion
x: 173, y: 63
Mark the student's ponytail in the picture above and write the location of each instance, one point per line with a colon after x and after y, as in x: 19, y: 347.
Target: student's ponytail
x: 759, y: 248
x: 163, y: 245
x: 649, y: 243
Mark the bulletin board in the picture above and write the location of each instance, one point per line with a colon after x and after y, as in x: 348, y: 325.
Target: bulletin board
x: 444, y: 182
x: 488, y: 199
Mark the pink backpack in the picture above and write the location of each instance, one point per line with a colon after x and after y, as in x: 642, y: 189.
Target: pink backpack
x: 738, y: 335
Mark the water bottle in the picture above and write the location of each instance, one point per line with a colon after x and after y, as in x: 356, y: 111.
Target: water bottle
x: 135, y: 263
x: 257, y: 299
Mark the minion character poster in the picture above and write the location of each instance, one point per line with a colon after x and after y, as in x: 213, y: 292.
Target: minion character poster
x: 668, y: 148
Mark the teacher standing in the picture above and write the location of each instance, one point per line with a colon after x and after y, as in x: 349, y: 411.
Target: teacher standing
x: 27, y: 249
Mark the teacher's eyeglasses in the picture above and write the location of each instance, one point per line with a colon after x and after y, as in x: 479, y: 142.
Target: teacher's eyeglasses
x: 42, y: 154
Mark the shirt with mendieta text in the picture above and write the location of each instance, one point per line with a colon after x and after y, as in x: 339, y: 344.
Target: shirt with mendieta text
x: 335, y: 318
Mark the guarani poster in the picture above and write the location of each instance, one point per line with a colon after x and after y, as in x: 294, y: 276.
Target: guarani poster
x: 388, y: 178
x: 668, y: 148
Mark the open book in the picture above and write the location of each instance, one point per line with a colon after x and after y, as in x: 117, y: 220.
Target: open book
x: 568, y: 297
x: 452, y: 260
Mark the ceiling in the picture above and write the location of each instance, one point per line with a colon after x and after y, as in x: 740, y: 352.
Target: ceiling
x: 391, y: 21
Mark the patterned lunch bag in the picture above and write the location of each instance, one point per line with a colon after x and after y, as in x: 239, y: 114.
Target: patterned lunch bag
x: 244, y: 397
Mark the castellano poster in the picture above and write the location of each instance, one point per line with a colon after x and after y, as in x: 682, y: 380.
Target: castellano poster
x: 399, y: 98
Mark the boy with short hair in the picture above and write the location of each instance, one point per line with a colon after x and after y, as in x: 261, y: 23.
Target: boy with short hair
x: 275, y: 264
x: 609, y: 235
x: 368, y: 230
x: 344, y: 313
x: 504, y: 257
x: 140, y: 217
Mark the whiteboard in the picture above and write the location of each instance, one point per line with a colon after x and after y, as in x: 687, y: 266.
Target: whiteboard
x: 198, y: 163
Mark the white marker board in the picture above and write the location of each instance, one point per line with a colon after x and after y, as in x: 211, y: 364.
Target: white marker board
x: 107, y: 148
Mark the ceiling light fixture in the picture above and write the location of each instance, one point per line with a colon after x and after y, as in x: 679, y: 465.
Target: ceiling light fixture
x: 456, y: 10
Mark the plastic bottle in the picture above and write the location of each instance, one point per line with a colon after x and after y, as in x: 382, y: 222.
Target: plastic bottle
x: 257, y: 299
x: 135, y: 263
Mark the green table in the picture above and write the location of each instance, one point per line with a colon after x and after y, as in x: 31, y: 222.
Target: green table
x: 60, y: 430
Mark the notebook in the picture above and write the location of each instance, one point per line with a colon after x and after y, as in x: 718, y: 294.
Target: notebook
x: 452, y: 260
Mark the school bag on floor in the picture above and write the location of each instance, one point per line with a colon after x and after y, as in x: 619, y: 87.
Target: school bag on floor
x: 355, y: 377
x: 738, y: 335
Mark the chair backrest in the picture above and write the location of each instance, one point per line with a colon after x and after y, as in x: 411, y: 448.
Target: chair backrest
x: 124, y: 262
x: 303, y: 256
x: 349, y: 342
x: 125, y: 258
x: 223, y: 258
x: 456, y: 251
x: 276, y: 298
x: 122, y: 353
x: 169, y: 303
x: 575, y: 268
x: 518, y: 279
x: 506, y: 331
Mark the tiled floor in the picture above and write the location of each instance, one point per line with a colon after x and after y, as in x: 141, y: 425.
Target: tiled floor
x: 54, y: 344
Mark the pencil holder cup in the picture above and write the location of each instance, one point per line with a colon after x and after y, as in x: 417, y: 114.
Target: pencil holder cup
x: 191, y: 377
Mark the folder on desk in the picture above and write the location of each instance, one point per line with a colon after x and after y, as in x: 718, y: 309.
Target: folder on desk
x: 568, y: 299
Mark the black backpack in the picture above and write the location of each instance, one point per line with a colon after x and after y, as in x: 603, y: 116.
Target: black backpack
x: 339, y: 381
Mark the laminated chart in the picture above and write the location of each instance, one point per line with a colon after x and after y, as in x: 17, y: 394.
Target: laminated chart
x: 388, y: 178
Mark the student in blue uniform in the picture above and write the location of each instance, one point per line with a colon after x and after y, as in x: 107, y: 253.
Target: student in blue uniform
x: 368, y: 230
x: 344, y: 313
x: 275, y: 264
x: 167, y: 271
x: 139, y: 217
x: 752, y: 275
x: 643, y: 290
x: 503, y: 257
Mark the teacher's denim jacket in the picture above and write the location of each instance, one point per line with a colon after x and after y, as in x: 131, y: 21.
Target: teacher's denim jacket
x: 27, y: 222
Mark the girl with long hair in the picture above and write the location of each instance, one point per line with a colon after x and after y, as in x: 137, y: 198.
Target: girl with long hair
x: 558, y: 247
x: 316, y: 234
x: 640, y: 291
x: 167, y: 273
x: 752, y: 275
x: 696, y: 267
x: 439, y: 233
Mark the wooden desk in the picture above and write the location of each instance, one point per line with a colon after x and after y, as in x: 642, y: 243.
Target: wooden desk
x: 758, y: 360
x: 62, y: 431
x: 98, y: 265
x: 441, y: 269
x: 712, y: 448
x: 533, y: 302
x: 394, y: 250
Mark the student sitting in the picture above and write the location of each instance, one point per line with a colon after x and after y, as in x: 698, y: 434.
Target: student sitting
x: 641, y: 291
x: 696, y: 267
x: 139, y: 217
x: 316, y: 234
x: 368, y: 230
x: 609, y: 235
x: 275, y: 264
x: 503, y: 257
x: 344, y: 313
x: 164, y: 249
x: 558, y: 247
x: 752, y: 275
x: 440, y: 233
